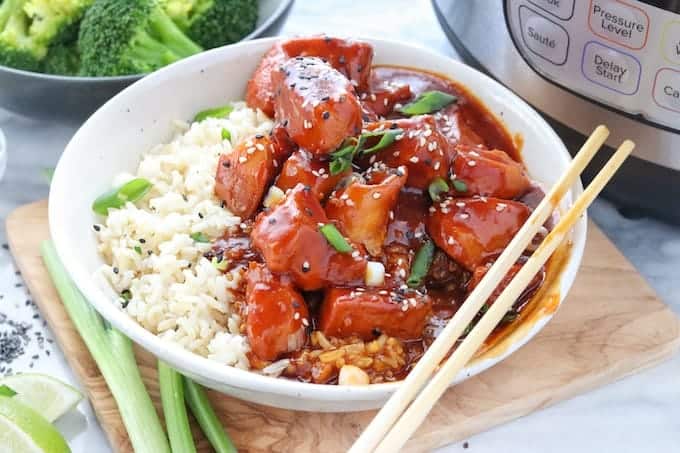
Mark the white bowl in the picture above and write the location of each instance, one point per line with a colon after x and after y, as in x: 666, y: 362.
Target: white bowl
x: 112, y: 140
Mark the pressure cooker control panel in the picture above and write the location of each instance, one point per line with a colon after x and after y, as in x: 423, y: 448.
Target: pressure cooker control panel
x: 625, y: 54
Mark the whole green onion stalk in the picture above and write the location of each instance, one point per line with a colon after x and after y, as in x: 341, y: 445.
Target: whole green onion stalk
x: 112, y: 351
x: 175, y: 411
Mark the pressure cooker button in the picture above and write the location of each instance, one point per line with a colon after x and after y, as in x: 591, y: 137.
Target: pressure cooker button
x: 667, y: 89
x: 563, y: 9
x: 619, y: 22
x: 544, y: 37
x: 611, y: 68
x: 671, y: 42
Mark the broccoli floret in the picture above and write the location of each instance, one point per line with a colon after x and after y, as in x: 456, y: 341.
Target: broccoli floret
x: 17, y: 48
x: 62, y: 59
x: 55, y: 21
x: 119, y: 37
x: 29, y: 27
x: 213, y: 23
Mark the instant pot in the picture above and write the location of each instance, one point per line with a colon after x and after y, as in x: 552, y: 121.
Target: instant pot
x: 587, y: 62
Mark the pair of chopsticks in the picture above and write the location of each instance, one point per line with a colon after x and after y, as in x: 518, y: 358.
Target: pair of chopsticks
x: 407, y: 408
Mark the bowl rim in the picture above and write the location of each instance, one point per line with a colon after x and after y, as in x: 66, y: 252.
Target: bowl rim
x: 233, y: 377
x: 130, y: 78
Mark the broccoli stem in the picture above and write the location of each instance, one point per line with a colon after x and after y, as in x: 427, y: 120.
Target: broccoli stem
x: 151, y: 52
x: 171, y: 36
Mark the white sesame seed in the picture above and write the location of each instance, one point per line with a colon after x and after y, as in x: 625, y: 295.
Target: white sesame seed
x: 471, y: 163
x: 349, y: 203
x: 276, y: 164
x: 399, y: 137
x: 391, y: 215
x: 396, y: 154
x: 344, y: 196
x: 373, y: 97
x: 355, y: 254
x: 242, y: 159
x: 450, y: 240
x: 398, y: 106
x: 372, y: 159
x: 404, y: 307
x: 414, y: 159
x: 422, y: 141
x: 322, y: 171
x: 243, y: 226
x: 402, y: 273
x: 249, y: 143
x: 324, y: 176
x: 501, y: 206
x: 445, y: 210
x: 460, y: 204
x: 260, y: 146
x: 427, y: 132
x: 296, y: 315
x: 305, y: 322
x: 376, y: 195
x: 437, y: 165
x: 385, y: 102
x: 250, y: 150
x: 432, y: 209
x: 464, y: 215
x: 474, y: 153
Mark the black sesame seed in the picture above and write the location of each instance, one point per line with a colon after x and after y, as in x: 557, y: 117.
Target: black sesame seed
x: 292, y: 85
x: 226, y: 164
x: 142, y: 241
x: 259, y: 136
x: 96, y: 227
x: 393, y: 126
x: 326, y: 115
x: 200, y: 216
x: 272, y: 221
x: 360, y: 68
x: 325, y: 98
x: 115, y: 270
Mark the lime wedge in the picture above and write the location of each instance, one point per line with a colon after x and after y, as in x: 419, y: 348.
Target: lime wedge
x: 46, y: 395
x: 23, y: 430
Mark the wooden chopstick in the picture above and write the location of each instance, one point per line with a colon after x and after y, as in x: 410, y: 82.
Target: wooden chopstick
x: 426, y: 366
x: 418, y: 410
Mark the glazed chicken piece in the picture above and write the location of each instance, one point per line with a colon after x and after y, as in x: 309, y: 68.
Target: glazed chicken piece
x: 452, y: 124
x: 362, y: 209
x: 473, y: 230
x: 244, y: 174
x: 352, y: 58
x: 316, y: 104
x: 302, y: 168
x: 489, y: 173
x: 481, y: 271
x: 383, y: 98
x: 277, y: 314
x: 421, y: 148
x: 366, y: 314
x: 260, y: 90
x: 289, y: 240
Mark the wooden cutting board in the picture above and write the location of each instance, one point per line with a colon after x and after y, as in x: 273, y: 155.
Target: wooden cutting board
x: 612, y: 325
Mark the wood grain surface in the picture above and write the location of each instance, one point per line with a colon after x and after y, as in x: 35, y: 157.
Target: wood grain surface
x: 612, y: 325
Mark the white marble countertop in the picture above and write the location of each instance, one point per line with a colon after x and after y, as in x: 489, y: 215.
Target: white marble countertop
x: 640, y: 413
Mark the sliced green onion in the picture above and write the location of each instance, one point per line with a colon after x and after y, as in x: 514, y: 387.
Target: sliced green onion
x: 113, y: 353
x: 217, y: 112
x: 171, y: 385
x: 138, y: 249
x: 341, y: 160
x: 6, y: 391
x: 226, y: 135
x: 510, y: 316
x: 131, y: 191
x: 220, y: 265
x: 437, y: 187
x: 421, y: 264
x: 48, y: 173
x: 387, y: 137
x: 428, y: 102
x: 199, y: 237
x: 335, y: 239
x: 206, y: 418
x: 459, y: 185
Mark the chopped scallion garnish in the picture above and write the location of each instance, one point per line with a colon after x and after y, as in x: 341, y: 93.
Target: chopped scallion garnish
x: 459, y: 185
x: 131, y: 191
x: 220, y: 265
x: 436, y: 188
x: 428, y: 102
x: 217, y: 112
x: 226, y: 135
x: 138, y: 249
x: 421, y: 264
x: 335, y: 238
x: 6, y: 391
x: 341, y: 160
x: 199, y: 237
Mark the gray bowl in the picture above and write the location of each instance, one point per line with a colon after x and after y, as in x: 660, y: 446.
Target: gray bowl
x: 52, y: 97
